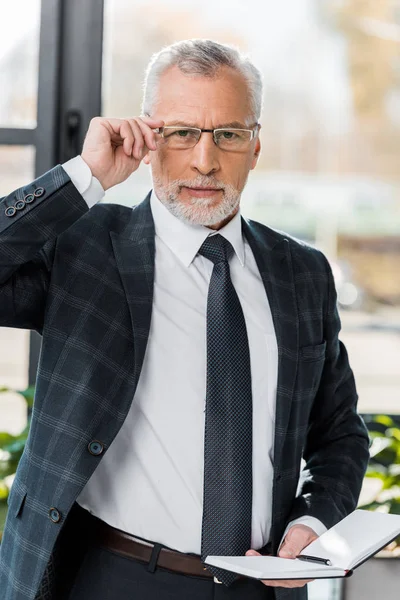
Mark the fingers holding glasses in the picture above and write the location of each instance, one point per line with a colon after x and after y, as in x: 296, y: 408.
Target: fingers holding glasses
x: 147, y: 127
x: 126, y: 136
x: 114, y: 148
x: 143, y: 137
x: 138, y: 144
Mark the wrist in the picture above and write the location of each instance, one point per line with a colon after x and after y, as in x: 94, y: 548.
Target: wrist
x: 96, y: 173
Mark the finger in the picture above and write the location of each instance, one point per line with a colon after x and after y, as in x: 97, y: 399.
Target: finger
x: 149, y: 134
x: 115, y: 124
x: 139, y: 142
x: 252, y: 553
x: 290, y: 548
x: 295, y: 541
x: 127, y: 136
x: 286, y: 583
x: 288, y: 551
x: 121, y: 133
x: 152, y: 122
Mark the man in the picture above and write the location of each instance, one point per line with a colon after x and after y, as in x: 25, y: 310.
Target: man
x: 190, y: 359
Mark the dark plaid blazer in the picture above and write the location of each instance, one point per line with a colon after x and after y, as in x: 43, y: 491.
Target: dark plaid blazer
x: 84, y: 280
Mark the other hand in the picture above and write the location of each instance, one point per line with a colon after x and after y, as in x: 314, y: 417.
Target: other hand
x: 297, y: 538
x: 114, y: 148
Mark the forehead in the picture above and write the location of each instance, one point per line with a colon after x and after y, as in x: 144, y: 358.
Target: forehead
x: 206, y: 101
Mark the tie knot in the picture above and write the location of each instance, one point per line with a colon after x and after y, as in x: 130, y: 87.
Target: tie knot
x: 216, y: 248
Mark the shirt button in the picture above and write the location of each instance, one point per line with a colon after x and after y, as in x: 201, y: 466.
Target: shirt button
x: 95, y: 448
x: 54, y: 515
x: 39, y: 192
x: 29, y: 198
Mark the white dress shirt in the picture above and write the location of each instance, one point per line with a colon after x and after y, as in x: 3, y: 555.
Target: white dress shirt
x: 150, y: 481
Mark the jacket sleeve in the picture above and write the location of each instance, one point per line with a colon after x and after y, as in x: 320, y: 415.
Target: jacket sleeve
x: 31, y: 218
x: 337, y: 445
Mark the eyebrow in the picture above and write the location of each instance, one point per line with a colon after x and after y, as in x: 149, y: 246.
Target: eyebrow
x: 231, y: 125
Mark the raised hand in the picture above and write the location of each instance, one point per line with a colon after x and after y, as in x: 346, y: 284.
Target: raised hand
x: 114, y: 148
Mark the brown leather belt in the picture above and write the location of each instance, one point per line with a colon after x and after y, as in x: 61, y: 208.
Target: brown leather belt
x: 127, y: 545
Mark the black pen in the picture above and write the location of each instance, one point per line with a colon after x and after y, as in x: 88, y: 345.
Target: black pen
x: 315, y: 559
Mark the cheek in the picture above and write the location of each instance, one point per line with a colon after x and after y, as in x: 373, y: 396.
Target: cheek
x: 168, y: 167
x: 239, y: 171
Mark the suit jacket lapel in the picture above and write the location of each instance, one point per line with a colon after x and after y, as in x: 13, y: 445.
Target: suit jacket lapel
x: 273, y: 257
x: 134, y: 250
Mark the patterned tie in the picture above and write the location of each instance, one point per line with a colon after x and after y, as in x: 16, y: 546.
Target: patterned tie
x: 227, y: 499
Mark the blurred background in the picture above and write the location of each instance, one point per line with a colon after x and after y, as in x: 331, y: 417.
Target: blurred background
x: 329, y: 169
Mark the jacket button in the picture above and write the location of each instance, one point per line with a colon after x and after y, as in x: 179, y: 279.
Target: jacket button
x: 10, y: 211
x: 39, y: 192
x: 29, y: 198
x: 95, y: 447
x: 20, y: 204
x: 54, y: 515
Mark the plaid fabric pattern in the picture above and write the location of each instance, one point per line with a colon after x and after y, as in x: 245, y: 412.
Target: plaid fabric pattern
x: 84, y: 280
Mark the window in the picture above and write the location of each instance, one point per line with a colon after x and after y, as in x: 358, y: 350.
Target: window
x: 328, y: 171
x: 19, y: 63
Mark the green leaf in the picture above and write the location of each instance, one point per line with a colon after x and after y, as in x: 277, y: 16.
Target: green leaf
x: 17, y: 446
x: 4, y: 491
x: 395, y: 506
x: 394, y: 432
x: 5, y: 439
x: 376, y: 470
x: 384, y: 420
x: 375, y: 505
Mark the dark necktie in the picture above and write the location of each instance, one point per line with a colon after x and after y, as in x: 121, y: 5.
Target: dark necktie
x: 227, y: 498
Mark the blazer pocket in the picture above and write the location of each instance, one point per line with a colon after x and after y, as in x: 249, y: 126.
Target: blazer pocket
x: 16, y: 499
x: 313, y: 353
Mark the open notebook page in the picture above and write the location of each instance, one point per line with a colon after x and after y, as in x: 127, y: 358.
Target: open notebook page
x: 271, y: 567
x: 359, y: 535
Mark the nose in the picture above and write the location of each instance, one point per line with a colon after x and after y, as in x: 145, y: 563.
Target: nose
x: 205, y: 155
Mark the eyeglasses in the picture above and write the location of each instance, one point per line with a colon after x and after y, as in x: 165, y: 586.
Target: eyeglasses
x: 181, y: 138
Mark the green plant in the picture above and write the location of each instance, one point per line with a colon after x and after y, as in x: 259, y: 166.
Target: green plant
x: 12, y: 446
x: 384, y: 465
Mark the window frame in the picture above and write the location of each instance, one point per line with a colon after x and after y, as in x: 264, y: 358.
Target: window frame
x: 69, y: 79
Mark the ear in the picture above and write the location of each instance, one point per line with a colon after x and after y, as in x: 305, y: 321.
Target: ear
x: 257, y: 150
x: 147, y: 158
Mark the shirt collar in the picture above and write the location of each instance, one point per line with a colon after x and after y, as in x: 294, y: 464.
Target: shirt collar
x: 185, y: 240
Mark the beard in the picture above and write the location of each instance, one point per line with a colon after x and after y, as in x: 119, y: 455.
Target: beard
x: 198, y: 211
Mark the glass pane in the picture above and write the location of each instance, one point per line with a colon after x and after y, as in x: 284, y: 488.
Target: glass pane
x: 17, y: 167
x: 16, y: 170
x: 19, y: 56
x: 329, y: 168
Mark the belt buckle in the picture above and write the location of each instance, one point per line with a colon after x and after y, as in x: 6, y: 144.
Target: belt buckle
x: 216, y: 580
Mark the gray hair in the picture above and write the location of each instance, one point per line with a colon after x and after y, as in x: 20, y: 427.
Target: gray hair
x: 204, y: 58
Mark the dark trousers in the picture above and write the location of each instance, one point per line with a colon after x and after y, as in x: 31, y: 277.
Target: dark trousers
x: 102, y: 574
x: 105, y: 575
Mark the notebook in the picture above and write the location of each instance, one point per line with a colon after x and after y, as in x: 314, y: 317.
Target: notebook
x: 335, y: 553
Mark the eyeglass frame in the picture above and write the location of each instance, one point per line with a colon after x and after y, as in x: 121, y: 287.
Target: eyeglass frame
x: 254, y: 131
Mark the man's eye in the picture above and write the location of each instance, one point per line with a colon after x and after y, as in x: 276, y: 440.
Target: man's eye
x: 228, y: 135
x: 182, y: 132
